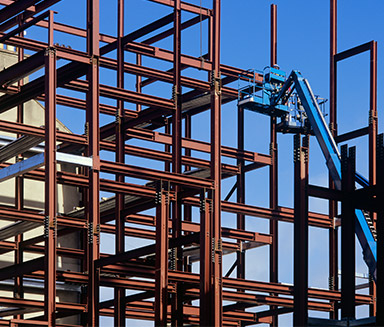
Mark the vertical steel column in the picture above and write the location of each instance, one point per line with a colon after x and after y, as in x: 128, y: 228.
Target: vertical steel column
x: 333, y: 234
x: 92, y: 130
x: 347, y: 233
x: 380, y: 233
x: 50, y: 190
x: 19, y: 189
x: 205, y: 262
x: 161, y: 271
x: 176, y: 118
x: 373, y: 113
x: 300, y: 288
x: 119, y: 304
x: 167, y: 147
x: 216, y: 169
x: 240, y: 271
x: 138, y: 78
x: 273, y: 172
x: 332, y: 66
x: 372, y: 146
x: 177, y: 299
x: 187, y: 208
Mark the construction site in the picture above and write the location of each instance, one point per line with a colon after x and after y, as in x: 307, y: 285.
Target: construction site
x: 122, y: 202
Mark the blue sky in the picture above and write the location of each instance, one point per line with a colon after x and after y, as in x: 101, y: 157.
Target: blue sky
x: 303, y: 44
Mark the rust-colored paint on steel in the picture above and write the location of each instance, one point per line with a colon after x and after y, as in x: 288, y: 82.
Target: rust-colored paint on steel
x: 163, y: 269
x: 92, y: 129
x: 119, y: 293
x: 50, y: 191
x: 380, y: 236
x: 205, y: 265
x: 332, y: 206
x: 373, y: 127
x: 273, y: 169
x: 19, y: 192
x: 240, y: 189
x: 177, y: 256
x: 216, y: 279
x: 348, y: 262
x: 300, y: 288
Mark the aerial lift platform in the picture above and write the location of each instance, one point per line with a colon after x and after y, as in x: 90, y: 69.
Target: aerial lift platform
x: 292, y: 101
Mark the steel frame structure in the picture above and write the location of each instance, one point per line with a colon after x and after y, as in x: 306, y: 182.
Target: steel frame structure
x: 163, y: 287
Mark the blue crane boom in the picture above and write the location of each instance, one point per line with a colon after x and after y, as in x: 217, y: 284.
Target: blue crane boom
x: 273, y: 101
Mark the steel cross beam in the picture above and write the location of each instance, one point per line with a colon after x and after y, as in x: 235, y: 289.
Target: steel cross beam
x: 15, y: 8
x: 74, y: 70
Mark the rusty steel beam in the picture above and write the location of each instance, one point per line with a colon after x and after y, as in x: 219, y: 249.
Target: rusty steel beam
x: 119, y: 293
x: 176, y: 126
x: 380, y: 233
x: 187, y: 7
x: 174, y: 234
x: 192, y: 278
x: 161, y: 265
x: 352, y: 52
x: 332, y: 205
x: 262, y: 159
x: 301, y: 155
x: 146, y: 250
x: 240, y: 188
x: 27, y: 15
x: 273, y: 169
x: 372, y: 142
x: 21, y: 268
x: 74, y: 70
x: 283, y: 214
x: 15, y: 8
x: 347, y: 233
x: 351, y: 135
x: 151, y: 174
x: 50, y: 191
x: 24, y: 26
x: 93, y: 197
x: 22, y: 69
x: 216, y: 296
x: 205, y: 261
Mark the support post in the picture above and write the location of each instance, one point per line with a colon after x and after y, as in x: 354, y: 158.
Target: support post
x: 92, y: 131
x: 138, y: 78
x: 161, y: 271
x: 19, y: 190
x: 50, y: 191
x: 205, y: 262
x: 380, y: 233
x: 119, y: 304
x: 188, y: 135
x: 347, y: 233
x: 240, y: 189
x: 273, y: 172
x: 300, y: 288
x: 333, y: 234
x: 177, y: 299
x: 372, y: 130
x: 217, y: 319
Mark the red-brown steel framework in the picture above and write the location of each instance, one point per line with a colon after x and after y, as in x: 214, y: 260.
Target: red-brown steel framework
x: 165, y: 287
